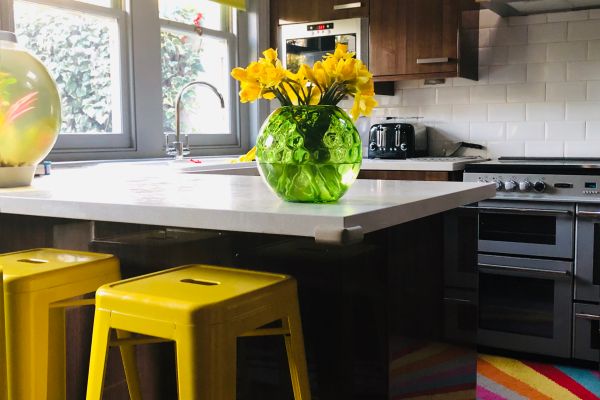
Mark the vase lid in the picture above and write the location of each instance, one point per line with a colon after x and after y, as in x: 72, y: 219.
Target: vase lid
x: 8, y: 36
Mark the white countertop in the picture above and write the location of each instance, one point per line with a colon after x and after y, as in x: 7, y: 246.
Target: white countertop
x: 160, y: 195
x: 420, y: 164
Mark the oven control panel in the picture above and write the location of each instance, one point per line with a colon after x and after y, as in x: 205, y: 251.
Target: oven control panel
x: 540, y: 186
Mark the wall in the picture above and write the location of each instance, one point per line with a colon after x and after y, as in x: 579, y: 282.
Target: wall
x: 538, y: 93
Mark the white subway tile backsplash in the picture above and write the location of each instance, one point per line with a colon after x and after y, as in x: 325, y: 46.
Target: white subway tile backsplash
x: 563, y: 130
x: 594, y: 49
x: 583, y: 111
x: 592, y: 130
x: 489, y: 19
x: 566, y: 91
x: 505, y: 149
x: 567, y: 51
x: 453, y: 132
x: 488, y: 131
x: 453, y: 95
x: 506, y: 112
x: 418, y: 97
x: 488, y: 94
x: 538, y: 92
x: 545, y: 112
x: 469, y: 112
x: 583, y: 70
x: 548, y: 33
x: 582, y: 149
x: 584, y: 30
x: 568, y: 16
x: 593, y: 90
x: 526, y: 92
x: 508, y: 36
x: 528, y: 20
x: 508, y: 73
x: 533, y: 53
x: 544, y: 149
x: 436, y: 114
x: 525, y: 131
x: 548, y: 72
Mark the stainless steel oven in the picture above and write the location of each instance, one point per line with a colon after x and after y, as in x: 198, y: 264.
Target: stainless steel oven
x: 537, y: 229
x: 587, y: 266
x: 525, y: 304
x: 307, y: 43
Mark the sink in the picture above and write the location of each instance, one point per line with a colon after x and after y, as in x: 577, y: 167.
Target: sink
x: 246, y: 168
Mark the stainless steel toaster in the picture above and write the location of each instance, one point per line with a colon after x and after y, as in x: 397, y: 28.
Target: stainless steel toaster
x: 398, y: 141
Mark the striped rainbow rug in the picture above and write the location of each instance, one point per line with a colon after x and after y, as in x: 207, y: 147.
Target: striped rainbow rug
x: 501, y: 378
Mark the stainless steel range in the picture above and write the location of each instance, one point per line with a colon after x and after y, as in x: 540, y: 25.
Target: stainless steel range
x: 538, y: 256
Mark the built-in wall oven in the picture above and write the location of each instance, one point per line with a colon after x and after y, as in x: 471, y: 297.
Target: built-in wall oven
x: 538, y: 258
x: 307, y: 43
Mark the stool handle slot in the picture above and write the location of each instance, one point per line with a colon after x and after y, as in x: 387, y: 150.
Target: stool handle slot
x: 200, y: 282
x: 33, y: 260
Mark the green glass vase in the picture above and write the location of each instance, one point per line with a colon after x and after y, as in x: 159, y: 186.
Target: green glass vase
x: 309, y: 154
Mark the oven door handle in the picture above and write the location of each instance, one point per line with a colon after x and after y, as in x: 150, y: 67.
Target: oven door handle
x: 458, y: 301
x: 522, y: 211
x: 588, y: 214
x: 531, y: 272
x: 589, y: 317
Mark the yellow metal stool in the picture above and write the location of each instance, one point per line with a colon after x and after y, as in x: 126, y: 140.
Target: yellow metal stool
x: 203, y: 309
x: 3, y: 387
x: 38, y: 285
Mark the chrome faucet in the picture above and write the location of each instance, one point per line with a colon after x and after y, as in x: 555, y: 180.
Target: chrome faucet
x: 178, y: 144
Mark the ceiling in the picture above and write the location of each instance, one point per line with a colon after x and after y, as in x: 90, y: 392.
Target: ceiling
x: 527, y: 7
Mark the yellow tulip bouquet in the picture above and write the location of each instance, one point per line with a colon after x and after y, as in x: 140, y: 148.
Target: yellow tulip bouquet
x: 327, y: 82
x: 309, y: 150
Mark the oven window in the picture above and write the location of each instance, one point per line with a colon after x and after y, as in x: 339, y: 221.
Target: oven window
x: 516, y: 305
x: 533, y: 229
x: 310, y: 50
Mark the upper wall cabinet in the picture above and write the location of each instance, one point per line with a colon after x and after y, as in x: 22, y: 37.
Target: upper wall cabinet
x: 423, y: 39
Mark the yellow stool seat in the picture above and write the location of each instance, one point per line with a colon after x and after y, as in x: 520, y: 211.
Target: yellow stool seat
x: 203, y: 309
x: 3, y: 387
x: 38, y: 285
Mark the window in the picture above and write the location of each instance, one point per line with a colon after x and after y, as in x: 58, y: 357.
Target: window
x: 189, y: 54
x: 119, y: 65
x: 82, y: 45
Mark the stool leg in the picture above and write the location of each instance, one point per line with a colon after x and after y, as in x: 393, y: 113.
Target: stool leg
x: 294, y: 344
x: 206, y: 364
x: 130, y: 366
x: 57, y: 363
x: 98, y: 354
x: 3, y: 377
x: 27, y: 346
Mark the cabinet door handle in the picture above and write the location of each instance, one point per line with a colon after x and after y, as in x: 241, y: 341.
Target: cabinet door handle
x: 346, y: 6
x: 589, y: 317
x: 440, y: 60
x: 529, y: 272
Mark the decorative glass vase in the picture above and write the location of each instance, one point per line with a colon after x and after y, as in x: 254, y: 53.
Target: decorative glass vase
x: 29, y: 113
x: 309, y: 153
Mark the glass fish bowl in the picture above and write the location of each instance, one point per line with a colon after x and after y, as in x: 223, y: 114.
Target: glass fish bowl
x: 29, y: 113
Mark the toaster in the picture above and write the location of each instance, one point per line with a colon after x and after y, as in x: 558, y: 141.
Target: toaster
x: 398, y: 141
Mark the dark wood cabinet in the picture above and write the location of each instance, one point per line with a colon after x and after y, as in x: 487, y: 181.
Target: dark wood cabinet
x: 417, y: 39
x: 455, y: 176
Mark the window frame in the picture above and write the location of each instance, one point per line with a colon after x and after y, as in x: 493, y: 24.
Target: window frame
x: 141, y: 67
x: 122, y: 139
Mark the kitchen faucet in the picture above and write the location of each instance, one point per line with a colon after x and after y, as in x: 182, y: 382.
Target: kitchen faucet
x: 178, y: 144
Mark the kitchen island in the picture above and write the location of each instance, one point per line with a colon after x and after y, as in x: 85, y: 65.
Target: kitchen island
x: 367, y: 296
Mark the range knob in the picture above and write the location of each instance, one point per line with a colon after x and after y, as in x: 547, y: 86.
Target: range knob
x: 525, y: 186
x: 499, y: 186
x: 539, y: 186
x: 509, y: 186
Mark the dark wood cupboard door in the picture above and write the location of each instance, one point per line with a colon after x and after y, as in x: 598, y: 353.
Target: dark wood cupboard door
x: 388, y: 37
x: 432, y: 30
